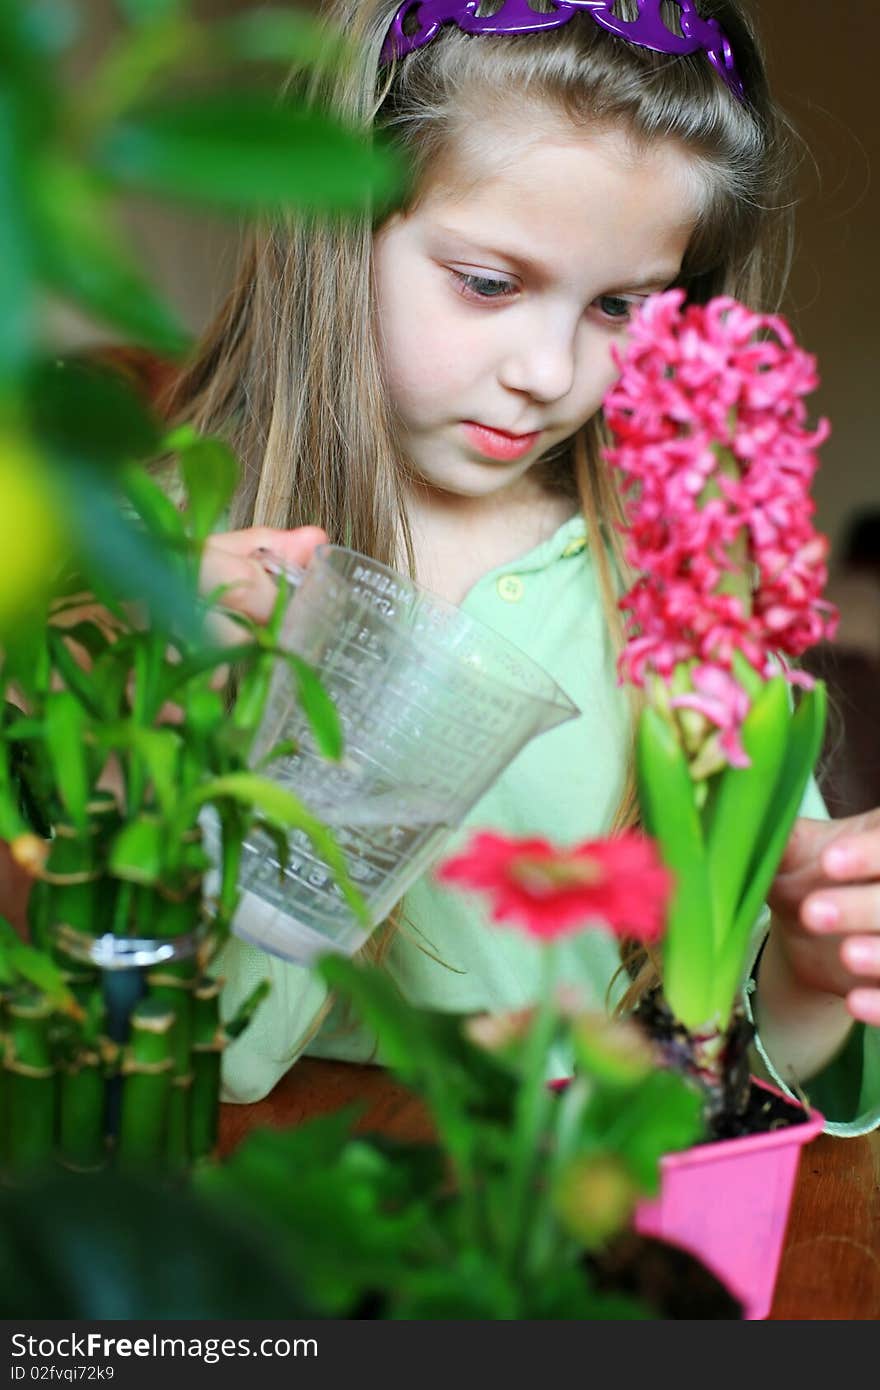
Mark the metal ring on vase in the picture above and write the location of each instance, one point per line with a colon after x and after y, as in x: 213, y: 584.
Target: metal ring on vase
x: 110, y: 952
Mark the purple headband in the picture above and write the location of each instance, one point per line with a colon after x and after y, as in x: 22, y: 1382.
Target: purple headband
x: 517, y: 17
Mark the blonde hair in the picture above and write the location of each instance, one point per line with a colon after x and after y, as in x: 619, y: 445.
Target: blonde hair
x: 290, y: 370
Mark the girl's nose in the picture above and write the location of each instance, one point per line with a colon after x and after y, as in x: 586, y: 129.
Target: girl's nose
x: 541, y: 362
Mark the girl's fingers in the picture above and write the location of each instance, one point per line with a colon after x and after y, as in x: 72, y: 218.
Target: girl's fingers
x: 861, y: 955
x: 864, y: 1005
x: 855, y: 854
x: 838, y: 910
x: 232, y: 560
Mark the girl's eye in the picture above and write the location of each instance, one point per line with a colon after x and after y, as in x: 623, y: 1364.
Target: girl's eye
x: 483, y: 286
x: 618, y: 308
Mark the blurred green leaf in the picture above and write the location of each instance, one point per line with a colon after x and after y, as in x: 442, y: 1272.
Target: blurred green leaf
x: 210, y: 471
x: 86, y: 411
x: 245, y: 152
x: 104, y: 1245
x: 118, y: 559
x: 82, y: 257
x: 17, y: 283
x: 149, y: 11
x: 282, y: 35
x: 50, y: 25
x: 662, y: 1115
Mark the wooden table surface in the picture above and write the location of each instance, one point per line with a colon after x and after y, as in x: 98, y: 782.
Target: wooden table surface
x: 830, y: 1266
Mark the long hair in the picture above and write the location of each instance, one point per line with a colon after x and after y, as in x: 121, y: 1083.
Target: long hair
x: 290, y: 369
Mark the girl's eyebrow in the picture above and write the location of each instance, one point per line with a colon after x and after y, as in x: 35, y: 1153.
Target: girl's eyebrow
x: 655, y: 280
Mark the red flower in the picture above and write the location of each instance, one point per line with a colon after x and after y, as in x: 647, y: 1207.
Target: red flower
x: 619, y: 884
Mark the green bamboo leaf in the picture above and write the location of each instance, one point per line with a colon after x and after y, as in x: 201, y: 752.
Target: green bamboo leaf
x: 740, y: 801
x: 246, y: 1010
x: 41, y: 971
x: 153, y: 505
x: 317, y: 706
x: 138, y: 851
x: 245, y: 152
x: 80, y: 682
x: 65, y: 726
x: 282, y: 807
x: 81, y: 256
x: 161, y: 751
x: 669, y: 812
x: 178, y: 675
x: 210, y: 471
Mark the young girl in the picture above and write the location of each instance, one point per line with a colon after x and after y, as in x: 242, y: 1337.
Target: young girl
x: 428, y: 390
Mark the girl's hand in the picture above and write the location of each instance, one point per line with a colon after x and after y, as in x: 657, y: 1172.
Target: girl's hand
x: 826, y: 906
x: 232, y: 558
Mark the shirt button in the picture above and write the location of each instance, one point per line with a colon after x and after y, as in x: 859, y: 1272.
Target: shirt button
x: 510, y: 587
x: 574, y: 547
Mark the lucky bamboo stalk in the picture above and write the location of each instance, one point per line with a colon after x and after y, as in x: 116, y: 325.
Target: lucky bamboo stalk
x: 147, y: 1070
x: 30, y: 1082
x: 207, y: 1048
x: 81, y: 1112
x: 171, y: 986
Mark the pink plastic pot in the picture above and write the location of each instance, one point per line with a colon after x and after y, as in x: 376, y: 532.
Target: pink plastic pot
x: 727, y: 1202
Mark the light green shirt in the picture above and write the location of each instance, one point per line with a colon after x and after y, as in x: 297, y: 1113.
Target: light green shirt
x: 564, y: 785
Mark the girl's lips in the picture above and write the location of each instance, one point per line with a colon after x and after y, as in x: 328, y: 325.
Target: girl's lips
x: 495, y: 444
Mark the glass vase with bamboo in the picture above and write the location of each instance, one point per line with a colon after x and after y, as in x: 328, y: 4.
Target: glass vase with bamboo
x: 118, y: 732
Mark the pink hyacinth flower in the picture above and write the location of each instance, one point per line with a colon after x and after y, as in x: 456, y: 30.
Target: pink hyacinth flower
x: 724, y: 703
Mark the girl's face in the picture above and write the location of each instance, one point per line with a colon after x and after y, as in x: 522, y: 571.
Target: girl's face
x: 499, y: 301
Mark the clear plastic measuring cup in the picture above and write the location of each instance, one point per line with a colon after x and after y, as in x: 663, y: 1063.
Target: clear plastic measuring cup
x: 433, y: 706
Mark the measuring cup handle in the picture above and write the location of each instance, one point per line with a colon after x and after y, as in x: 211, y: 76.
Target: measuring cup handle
x: 273, y: 564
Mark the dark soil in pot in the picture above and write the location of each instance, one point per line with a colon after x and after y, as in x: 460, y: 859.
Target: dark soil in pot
x: 734, y: 1106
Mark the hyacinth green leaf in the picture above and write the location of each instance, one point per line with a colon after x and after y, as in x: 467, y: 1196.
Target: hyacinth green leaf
x: 65, y: 724
x: 210, y: 472
x: 244, y: 152
x: 81, y: 257
x: 138, y: 851
x: 806, y: 728
x: 317, y: 706
x: 285, y: 810
x: 669, y: 812
x: 741, y: 798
